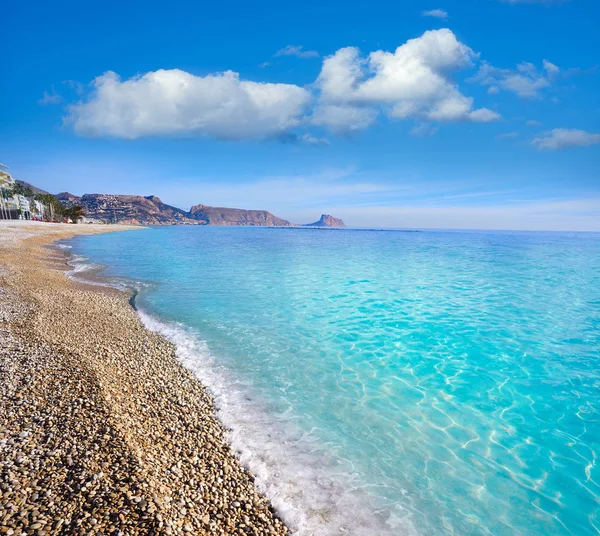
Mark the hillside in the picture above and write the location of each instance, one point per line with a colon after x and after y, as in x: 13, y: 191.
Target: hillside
x: 127, y: 209
x: 31, y: 187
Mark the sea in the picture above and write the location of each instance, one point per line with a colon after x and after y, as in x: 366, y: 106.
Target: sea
x: 387, y: 382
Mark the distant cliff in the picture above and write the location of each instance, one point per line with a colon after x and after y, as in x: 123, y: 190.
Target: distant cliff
x: 150, y: 210
x: 235, y: 216
x: 327, y: 221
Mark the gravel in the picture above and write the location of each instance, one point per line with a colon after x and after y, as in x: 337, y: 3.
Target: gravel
x: 102, y: 431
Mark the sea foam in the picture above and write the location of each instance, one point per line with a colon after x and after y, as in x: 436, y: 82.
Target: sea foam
x: 313, y: 494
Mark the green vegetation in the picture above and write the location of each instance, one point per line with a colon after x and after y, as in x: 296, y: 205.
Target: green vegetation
x: 54, y: 210
x: 74, y: 213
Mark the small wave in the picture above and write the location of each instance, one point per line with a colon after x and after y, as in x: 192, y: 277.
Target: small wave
x: 312, y: 492
x: 84, y: 271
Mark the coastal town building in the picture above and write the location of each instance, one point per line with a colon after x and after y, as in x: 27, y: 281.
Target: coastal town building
x: 9, y: 203
x: 16, y: 206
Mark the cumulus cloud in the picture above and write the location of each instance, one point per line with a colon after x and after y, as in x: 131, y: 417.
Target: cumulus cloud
x: 525, y: 81
x: 437, y: 13
x: 343, y: 118
x: 413, y: 82
x: 178, y: 103
x: 562, y: 138
x: 296, y: 50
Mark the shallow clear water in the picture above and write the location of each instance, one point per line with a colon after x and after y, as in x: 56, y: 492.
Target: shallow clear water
x: 391, y: 382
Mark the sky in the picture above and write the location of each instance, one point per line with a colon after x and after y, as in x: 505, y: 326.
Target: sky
x: 446, y: 114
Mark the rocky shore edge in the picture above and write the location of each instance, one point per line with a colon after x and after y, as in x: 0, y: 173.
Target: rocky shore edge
x: 102, y: 430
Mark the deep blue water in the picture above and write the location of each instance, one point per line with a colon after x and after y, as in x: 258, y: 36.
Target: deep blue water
x: 390, y: 382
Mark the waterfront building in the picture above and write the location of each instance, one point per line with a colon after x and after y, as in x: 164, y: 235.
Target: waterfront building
x: 9, y: 204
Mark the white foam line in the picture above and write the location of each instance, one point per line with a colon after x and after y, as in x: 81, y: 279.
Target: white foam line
x: 313, y: 494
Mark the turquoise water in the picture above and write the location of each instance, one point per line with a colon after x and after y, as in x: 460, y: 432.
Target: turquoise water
x: 390, y: 382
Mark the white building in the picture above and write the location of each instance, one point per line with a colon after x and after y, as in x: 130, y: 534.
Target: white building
x: 9, y: 204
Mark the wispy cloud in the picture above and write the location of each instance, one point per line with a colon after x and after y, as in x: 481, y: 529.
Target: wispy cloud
x: 423, y: 130
x: 437, y: 13
x: 75, y: 86
x: 525, y: 81
x: 550, y: 68
x: 550, y: 215
x: 562, y: 138
x: 313, y: 140
x: 296, y: 50
x: 50, y: 98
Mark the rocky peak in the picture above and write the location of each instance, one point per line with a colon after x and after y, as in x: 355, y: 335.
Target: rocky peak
x: 327, y: 221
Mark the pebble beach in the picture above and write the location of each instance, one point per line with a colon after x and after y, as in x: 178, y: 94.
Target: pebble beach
x: 102, y: 430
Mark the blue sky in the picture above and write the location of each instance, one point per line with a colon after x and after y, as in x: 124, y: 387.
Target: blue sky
x: 470, y: 114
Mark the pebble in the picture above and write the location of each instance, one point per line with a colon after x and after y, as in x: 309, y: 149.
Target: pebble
x: 125, y: 440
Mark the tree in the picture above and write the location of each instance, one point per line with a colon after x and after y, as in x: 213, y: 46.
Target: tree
x: 74, y: 213
x: 53, y: 207
x: 19, y: 189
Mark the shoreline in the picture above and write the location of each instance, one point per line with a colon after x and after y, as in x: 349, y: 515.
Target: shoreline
x: 102, y: 429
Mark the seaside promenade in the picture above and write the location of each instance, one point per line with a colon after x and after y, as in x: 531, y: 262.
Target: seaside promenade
x: 102, y: 431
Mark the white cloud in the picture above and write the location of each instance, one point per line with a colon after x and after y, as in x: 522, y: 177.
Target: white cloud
x: 75, y: 86
x: 309, y: 139
x: 411, y: 82
x: 423, y: 130
x: 296, y: 50
x: 550, y: 215
x: 437, y: 13
x: 550, y: 68
x: 414, y: 82
x: 283, y: 195
x: 532, y: 123
x: 562, y: 138
x: 524, y: 81
x: 50, y: 98
x: 343, y: 118
x: 178, y: 103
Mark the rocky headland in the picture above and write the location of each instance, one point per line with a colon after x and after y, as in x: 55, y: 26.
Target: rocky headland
x: 327, y: 221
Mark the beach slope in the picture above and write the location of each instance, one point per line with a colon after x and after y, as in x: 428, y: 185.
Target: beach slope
x: 102, y: 431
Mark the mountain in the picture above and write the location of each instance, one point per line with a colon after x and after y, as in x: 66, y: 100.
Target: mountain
x: 235, y: 216
x: 127, y: 209
x: 33, y: 188
x: 150, y: 210
x: 327, y: 221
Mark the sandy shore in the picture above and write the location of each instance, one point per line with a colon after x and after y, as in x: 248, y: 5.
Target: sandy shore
x: 102, y: 431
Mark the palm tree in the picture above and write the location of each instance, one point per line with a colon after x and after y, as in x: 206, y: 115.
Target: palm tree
x: 74, y: 213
